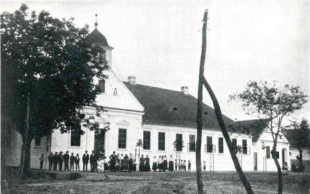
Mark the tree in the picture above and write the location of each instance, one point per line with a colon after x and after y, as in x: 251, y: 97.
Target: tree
x: 48, y: 69
x: 274, y: 103
x: 301, y: 139
x: 217, y: 109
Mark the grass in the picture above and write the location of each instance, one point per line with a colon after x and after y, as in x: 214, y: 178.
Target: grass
x: 142, y: 182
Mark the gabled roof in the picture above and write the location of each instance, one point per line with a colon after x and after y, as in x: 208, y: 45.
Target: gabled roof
x: 96, y: 37
x: 172, y: 108
x: 253, y: 127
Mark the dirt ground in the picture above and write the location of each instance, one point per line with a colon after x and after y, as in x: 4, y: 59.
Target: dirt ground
x: 155, y: 183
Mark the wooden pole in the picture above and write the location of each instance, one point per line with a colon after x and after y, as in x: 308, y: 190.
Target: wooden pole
x: 220, y: 120
x: 200, y: 104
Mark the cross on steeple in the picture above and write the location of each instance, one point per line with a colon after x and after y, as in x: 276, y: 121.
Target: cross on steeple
x: 96, y: 23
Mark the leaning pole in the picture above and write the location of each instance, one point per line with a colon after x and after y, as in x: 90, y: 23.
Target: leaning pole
x: 199, y: 103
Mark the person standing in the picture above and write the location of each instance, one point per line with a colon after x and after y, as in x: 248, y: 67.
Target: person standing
x: 154, y: 166
x: 112, y: 162
x: 147, y: 164
x: 92, y: 160
x: 130, y: 163
x: 72, y: 161
x: 160, y: 163
x: 41, y: 161
x: 165, y: 164
x: 60, y: 160
x: 126, y: 161
x: 77, y: 162
x: 189, y: 165
x: 55, y: 161
x: 66, y: 159
x: 141, y: 166
x: 50, y: 161
x: 171, y: 163
x: 85, y: 159
x: 204, y: 165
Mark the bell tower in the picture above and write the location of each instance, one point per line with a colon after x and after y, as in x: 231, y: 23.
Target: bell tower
x: 97, y: 38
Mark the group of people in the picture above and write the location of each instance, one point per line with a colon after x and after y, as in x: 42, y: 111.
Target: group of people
x: 174, y: 165
x: 116, y: 163
x: 56, y: 161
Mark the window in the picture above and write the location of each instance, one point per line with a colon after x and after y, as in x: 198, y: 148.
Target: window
x: 161, y: 141
x: 221, y: 145
x: 192, y: 144
x: 115, y: 92
x: 146, y: 140
x: 75, y: 138
x: 179, y: 142
x: 37, y: 141
x: 102, y: 85
x: 244, y: 146
x: 209, y: 144
x: 234, y: 142
x: 122, y: 135
x: 267, y: 152
x: 277, y: 155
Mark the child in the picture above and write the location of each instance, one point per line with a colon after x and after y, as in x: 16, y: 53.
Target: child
x: 189, y: 165
x: 204, y: 165
x: 154, y: 167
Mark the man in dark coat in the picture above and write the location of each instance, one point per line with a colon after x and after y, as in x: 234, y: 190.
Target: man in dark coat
x: 66, y: 159
x: 61, y: 159
x: 72, y: 161
x: 50, y: 161
x: 85, y: 159
x: 93, y: 161
x: 112, y: 162
x: 55, y: 161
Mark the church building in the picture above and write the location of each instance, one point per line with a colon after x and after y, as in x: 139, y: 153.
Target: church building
x: 158, y: 117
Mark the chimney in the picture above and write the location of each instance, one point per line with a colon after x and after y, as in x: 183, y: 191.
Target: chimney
x: 184, y: 90
x: 132, y: 80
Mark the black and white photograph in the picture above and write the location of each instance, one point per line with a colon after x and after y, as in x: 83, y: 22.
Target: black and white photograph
x: 155, y: 96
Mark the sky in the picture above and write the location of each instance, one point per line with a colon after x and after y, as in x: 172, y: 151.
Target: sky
x: 159, y: 42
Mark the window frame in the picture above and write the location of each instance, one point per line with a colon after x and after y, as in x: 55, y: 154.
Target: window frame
x: 192, y: 143
x: 35, y: 141
x: 209, y: 144
x: 244, y: 146
x: 74, y: 134
x: 268, y: 153
x: 181, y: 139
x: 122, y: 138
x: 146, y: 142
x: 221, y: 145
x: 161, y: 141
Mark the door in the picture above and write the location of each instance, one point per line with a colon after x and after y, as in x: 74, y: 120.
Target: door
x: 99, y: 143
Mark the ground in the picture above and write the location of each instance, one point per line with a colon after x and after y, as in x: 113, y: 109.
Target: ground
x: 151, y: 183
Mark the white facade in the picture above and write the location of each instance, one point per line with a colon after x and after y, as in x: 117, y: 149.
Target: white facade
x: 262, y: 148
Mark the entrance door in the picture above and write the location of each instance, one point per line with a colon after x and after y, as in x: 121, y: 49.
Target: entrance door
x: 99, y: 143
x: 284, y: 163
x: 255, y: 161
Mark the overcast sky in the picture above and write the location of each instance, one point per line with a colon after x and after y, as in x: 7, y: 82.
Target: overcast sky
x: 159, y: 42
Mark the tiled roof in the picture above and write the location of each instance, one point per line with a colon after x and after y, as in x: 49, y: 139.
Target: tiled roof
x: 96, y: 37
x: 173, y: 108
x: 253, y: 127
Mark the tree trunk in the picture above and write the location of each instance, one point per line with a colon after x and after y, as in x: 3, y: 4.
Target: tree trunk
x: 280, y: 180
x: 199, y: 105
x: 25, y: 159
x: 220, y: 120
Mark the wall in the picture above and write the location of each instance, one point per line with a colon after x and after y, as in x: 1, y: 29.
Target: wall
x: 268, y: 164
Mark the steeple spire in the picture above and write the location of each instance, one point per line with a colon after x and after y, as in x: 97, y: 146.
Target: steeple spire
x: 96, y: 23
